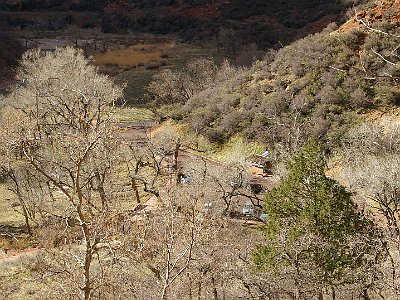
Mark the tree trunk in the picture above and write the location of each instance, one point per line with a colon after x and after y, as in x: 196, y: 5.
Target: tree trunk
x: 101, y: 190
x: 27, y: 224
x: 333, y: 292
x: 320, y: 294
x: 136, y: 190
x: 214, y: 288
x: 176, y: 154
x: 21, y: 201
x: 297, y: 285
x: 199, y: 291
x: 364, y: 294
x: 87, y: 288
x: 190, y: 294
x: 164, y: 292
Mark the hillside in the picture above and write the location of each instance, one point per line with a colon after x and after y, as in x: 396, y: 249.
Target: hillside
x: 315, y: 87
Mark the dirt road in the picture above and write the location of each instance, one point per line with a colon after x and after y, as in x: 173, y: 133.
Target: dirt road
x: 15, y: 258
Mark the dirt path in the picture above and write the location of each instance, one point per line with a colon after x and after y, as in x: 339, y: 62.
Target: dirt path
x: 266, y: 182
x: 14, y: 258
x: 141, y: 131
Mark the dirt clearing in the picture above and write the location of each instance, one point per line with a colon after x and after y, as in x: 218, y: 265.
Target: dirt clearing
x: 133, y: 55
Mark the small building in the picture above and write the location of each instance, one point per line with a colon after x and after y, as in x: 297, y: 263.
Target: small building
x: 207, y: 207
x: 248, y: 208
x: 186, y: 179
x: 263, y: 217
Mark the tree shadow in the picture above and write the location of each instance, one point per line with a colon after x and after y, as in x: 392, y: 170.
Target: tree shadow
x: 272, y: 23
x: 11, y: 231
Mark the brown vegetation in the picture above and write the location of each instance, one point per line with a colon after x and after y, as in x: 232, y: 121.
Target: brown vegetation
x: 136, y: 214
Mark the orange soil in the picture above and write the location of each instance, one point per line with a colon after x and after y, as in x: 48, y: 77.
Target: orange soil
x: 375, y: 14
x: 15, y: 253
x: 133, y: 55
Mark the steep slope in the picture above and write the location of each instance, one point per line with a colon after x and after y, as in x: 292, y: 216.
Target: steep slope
x: 387, y: 10
x: 316, y: 87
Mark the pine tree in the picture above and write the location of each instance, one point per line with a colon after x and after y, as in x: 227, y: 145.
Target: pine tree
x: 314, y: 227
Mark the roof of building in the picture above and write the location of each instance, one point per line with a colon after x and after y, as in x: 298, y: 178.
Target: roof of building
x: 258, y: 159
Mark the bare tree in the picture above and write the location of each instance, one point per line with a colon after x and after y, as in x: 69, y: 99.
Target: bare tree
x: 67, y: 139
x: 178, y: 86
x: 371, y: 154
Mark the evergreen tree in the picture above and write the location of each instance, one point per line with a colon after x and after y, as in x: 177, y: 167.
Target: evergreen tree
x: 315, y: 228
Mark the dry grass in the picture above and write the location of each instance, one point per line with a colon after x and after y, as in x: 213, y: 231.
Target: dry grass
x: 133, y: 114
x: 18, y: 282
x: 234, y: 152
x: 15, y: 244
x: 133, y: 55
x: 171, y: 127
x: 237, y: 150
x: 8, y: 215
